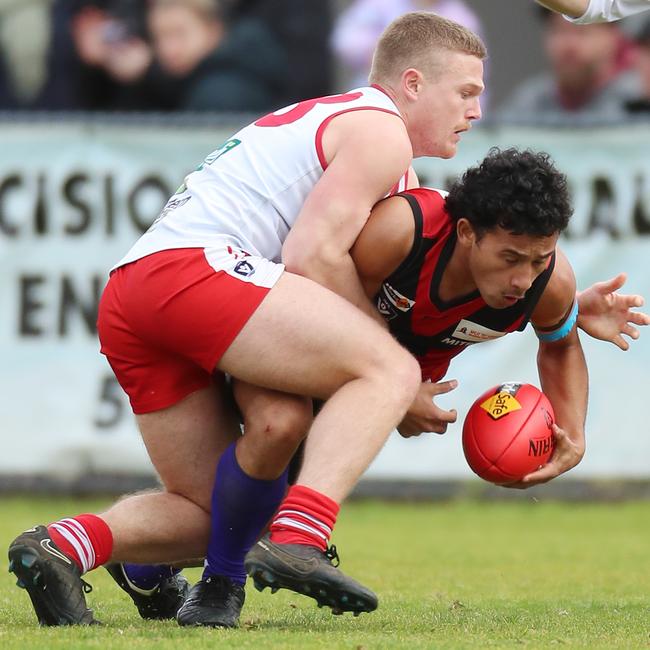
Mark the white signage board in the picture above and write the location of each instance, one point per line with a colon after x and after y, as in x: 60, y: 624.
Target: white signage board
x: 74, y: 197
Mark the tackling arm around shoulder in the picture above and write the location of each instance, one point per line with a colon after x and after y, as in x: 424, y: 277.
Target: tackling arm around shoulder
x: 361, y: 169
x: 607, y: 315
x: 562, y: 372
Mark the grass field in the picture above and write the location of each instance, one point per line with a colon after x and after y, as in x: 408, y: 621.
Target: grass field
x: 449, y: 575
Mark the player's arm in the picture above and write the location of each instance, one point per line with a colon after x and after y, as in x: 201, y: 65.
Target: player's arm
x: 607, y: 315
x: 573, y: 8
x: 562, y: 371
x: 583, y: 12
x: 383, y: 243
x: 367, y: 152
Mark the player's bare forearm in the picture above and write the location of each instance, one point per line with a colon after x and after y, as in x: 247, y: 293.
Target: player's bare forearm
x: 574, y: 8
x: 565, y: 381
x: 361, y: 169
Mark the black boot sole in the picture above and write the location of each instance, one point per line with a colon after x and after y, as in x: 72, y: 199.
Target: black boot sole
x: 338, y: 600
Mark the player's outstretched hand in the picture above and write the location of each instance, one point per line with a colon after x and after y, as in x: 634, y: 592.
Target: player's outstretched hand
x: 607, y: 315
x: 567, y: 455
x: 424, y: 415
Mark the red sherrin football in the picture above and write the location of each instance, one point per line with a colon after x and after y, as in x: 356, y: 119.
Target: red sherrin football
x: 507, y: 432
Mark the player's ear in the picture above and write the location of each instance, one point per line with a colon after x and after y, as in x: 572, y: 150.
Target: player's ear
x: 465, y: 233
x: 412, y: 82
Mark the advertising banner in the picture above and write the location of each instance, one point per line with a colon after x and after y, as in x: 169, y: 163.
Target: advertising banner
x: 75, y: 196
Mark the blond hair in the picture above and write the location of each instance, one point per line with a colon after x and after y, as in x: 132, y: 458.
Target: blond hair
x: 413, y: 41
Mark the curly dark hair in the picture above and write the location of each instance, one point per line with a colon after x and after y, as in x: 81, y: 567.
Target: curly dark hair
x: 520, y: 191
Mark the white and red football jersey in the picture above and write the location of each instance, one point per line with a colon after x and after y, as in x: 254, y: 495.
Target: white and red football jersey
x: 247, y: 194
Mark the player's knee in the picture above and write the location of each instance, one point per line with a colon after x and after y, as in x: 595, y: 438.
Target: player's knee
x: 406, y: 377
x: 198, y: 495
x: 397, y: 372
x: 395, y: 365
x: 284, y: 424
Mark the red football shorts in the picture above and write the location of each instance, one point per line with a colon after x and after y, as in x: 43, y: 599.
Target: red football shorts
x: 165, y: 320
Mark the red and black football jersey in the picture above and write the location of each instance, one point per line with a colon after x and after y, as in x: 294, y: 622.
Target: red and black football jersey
x: 432, y: 329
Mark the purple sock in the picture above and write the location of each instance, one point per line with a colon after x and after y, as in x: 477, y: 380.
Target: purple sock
x: 241, y: 507
x: 148, y: 576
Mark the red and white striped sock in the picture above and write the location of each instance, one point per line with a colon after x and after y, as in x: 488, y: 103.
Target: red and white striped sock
x: 85, y: 539
x: 304, y: 517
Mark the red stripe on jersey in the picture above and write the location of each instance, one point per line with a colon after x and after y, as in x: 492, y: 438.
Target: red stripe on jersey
x: 302, y: 108
x: 329, y: 118
x: 383, y: 90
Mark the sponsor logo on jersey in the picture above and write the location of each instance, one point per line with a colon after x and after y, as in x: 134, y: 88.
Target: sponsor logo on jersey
x: 172, y: 204
x: 385, y: 308
x: 500, y: 404
x: 449, y: 341
x: 475, y: 333
x: 244, y: 268
x: 220, y: 151
x: 396, y: 298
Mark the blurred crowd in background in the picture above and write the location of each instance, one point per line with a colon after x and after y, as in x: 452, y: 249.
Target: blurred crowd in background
x: 258, y: 55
